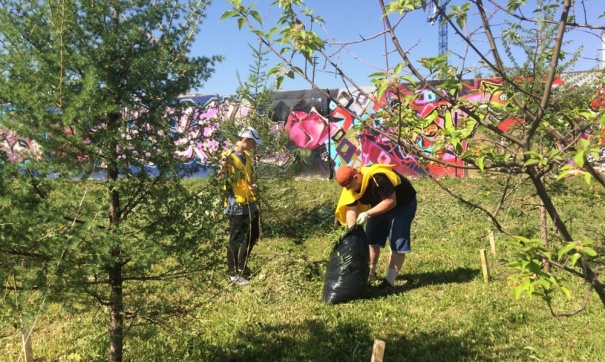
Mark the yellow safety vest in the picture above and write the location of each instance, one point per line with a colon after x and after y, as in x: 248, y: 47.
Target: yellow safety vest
x: 241, y: 184
x: 348, y: 197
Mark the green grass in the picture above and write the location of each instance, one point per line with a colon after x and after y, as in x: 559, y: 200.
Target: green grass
x: 448, y: 314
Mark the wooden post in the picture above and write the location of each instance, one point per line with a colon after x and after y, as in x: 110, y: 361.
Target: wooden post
x: 27, y: 346
x: 492, y: 242
x: 378, y: 351
x: 484, y: 265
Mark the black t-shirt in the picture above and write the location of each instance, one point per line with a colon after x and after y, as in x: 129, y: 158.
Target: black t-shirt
x: 380, y: 187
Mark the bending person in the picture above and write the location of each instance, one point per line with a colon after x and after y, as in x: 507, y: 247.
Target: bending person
x: 386, y: 201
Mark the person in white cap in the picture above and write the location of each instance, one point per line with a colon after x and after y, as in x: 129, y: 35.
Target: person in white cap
x: 241, y: 205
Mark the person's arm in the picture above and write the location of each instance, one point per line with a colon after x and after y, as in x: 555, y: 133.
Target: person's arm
x: 253, y: 184
x: 384, y: 205
x: 351, y: 215
x: 386, y: 191
x: 224, y: 169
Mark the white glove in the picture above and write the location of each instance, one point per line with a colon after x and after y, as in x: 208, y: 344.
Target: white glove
x: 362, y: 218
x: 253, y: 188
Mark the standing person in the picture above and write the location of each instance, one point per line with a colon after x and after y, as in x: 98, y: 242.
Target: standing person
x: 385, y: 200
x: 241, y: 205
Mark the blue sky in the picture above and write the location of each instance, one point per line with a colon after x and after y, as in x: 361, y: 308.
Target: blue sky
x: 347, y: 21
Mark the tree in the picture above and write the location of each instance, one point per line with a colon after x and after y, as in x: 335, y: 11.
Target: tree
x: 93, y: 84
x: 550, y: 124
x: 258, y: 90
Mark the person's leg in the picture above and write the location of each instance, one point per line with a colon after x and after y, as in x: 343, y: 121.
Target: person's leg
x: 396, y: 261
x: 251, y: 227
x: 376, y: 231
x: 399, y: 237
x: 235, y: 237
x: 374, y: 255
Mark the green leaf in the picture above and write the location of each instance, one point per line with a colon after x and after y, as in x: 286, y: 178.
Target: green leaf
x: 587, y: 177
x: 531, y: 161
x: 566, y: 292
x: 378, y: 75
x: 272, y: 31
x: 480, y: 162
x: 522, y: 239
x: 566, y: 249
x: 240, y: 23
x: 544, y: 283
x: 409, y: 79
x: 531, y: 153
x: 579, y: 159
x: 380, y: 90
x: 229, y: 14
x: 518, y: 291
x: 573, y: 260
x: 565, y: 171
x: 590, y: 251
x: 398, y: 68
x: 256, y: 15
x: 278, y: 81
x: 276, y: 70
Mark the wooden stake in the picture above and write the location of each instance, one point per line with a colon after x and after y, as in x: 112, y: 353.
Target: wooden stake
x: 484, y: 265
x: 492, y: 242
x: 27, y: 346
x: 378, y: 350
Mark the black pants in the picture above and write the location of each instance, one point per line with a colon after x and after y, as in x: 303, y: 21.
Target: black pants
x: 244, y: 232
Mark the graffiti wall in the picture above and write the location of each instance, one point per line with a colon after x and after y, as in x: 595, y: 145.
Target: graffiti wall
x: 17, y: 149
x: 199, y: 124
x: 322, y: 130
x: 193, y: 130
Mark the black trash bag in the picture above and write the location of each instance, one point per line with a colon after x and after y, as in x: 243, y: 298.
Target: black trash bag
x: 349, y: 268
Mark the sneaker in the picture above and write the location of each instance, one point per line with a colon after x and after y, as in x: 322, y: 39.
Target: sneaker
x: 246, y: 272
x: 385, y: 287
x: 373, y: 277
x: 239, y: 281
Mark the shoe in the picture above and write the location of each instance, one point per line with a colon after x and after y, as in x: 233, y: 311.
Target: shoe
x: 246, y: 272
x: 239, y: 281
x: 373, y: 277
x: 385, y: 288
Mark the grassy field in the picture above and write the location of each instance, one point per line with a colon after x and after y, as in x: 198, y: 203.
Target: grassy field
x: 442, y: 309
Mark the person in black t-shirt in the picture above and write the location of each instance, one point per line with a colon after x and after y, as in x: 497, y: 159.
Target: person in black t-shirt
x: 386, y: 201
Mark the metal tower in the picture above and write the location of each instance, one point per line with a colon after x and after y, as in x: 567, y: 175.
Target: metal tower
x: 436, y: 16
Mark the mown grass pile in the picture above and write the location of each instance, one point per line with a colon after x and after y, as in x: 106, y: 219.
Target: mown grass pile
x: 442, y: 309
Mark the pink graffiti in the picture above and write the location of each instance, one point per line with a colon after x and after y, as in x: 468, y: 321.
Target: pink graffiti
x: 309, y: 130
x: 18, y: 149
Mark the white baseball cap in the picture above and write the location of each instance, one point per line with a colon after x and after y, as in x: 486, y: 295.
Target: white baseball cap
x: 251, y: 133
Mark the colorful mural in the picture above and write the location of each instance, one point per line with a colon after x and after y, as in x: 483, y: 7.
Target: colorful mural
x: 17, y: 149
x: 322, y: 130
x: 194, y: 131
x: 309, y: 128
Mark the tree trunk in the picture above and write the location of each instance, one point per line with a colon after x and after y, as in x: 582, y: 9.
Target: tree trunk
x: 116, y: 315
x: 544, y: 235
x: 116, y: 297
x: 589, y: 274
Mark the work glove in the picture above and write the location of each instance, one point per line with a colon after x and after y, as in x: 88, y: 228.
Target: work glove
x: 253, y: 188
x: 362, y: 218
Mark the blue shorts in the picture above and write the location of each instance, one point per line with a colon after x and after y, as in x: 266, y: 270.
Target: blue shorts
x: 395, y: 224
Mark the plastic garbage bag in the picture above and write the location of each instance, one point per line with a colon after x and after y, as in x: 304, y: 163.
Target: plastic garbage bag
x: 349, y: 268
